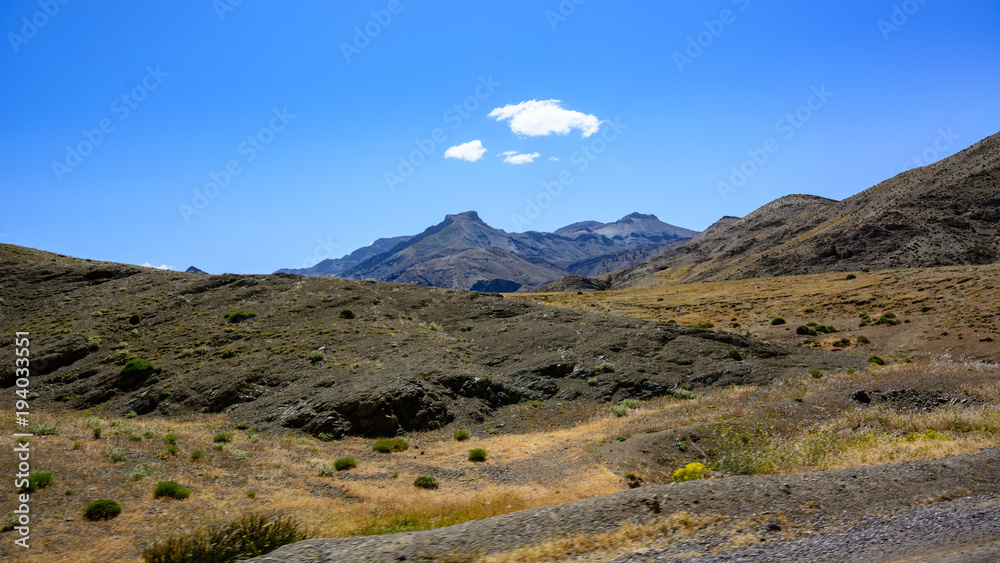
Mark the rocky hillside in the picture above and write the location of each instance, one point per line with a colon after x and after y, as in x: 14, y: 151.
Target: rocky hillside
x: 341, y: 356
x: 464, y: 252
x: 942, y: 214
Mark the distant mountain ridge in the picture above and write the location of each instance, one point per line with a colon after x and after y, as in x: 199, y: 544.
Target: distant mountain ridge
x: 945, y: 213
x: 464, y: 252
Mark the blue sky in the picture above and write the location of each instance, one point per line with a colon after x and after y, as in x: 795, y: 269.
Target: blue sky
x: 291, y: 119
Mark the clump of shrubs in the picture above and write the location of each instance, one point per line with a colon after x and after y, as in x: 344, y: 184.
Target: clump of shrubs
x: 605, y: 367
x: 222, y: 437
x: 170, y: 489
x: 681, y: 393
x: 37, y: 480
x: 425, y: 482
x: 345, y: 463
x: 102, y: 509
x: 478, y: 454
x: 690, y: 472
x: 245, y: 537
x: 390, y: 445
x: 239, y: 315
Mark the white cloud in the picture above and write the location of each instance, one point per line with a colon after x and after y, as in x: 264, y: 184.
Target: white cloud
x: 554, y: 158
x: 512, y: 157
x: 471, y: 151
x: 537, y: 118
x: 160, y: 267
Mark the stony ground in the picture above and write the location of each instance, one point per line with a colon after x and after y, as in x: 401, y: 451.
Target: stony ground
x: 809, y: 505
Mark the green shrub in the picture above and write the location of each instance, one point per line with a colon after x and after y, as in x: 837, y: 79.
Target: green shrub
x: 435, y: 327
x: 808, y: 310
x: 115, y: 454
x: 134, y: 319
x: 887, y: 319
x: 37, y: 480
x: 592, y: 381
x: 170, y: 439
x: 864, y: 340
x: 826, y: 329
x: 461, y: 435
x: 248, y: 536
x: 390, y: 445
x: 681, y: 446
x: 805, y: 331
x: 93, y: 343
x: 690, y: 472
x: 425, y: 482
x: 326, y: 470
x: 251, y: 494
x: 135, y: 371
x: 629, y: 403
x: 681, y: 393
x: 316, y: 356
x: 842, y: 343
x: 605, y: 367
x: 777, y: 321
x: 877, y: 360
x: 170, y: 489
x: 196, y: 455
x: 97, y: 433
x: 102, y: 509
x: 238, y: 315
x: 227, y: 353
x: 345, y: 463
x: 817, y: 373
x: 347, y: 314
x: 735, y: 354
x: 325, y: 437
x: 77, y: 445
x: 138, y: 473
x: 850, y: 277
x: 135, y: 437
x: 222, y: 437
x: 478, y: 454
x: 45, y: 429
x: 618, y: 410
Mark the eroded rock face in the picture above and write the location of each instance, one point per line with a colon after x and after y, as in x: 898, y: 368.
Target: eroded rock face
x: 406, y: 408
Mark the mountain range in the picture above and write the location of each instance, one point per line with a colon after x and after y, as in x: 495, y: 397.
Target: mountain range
x: 463, y: 252
x: 945, y: 213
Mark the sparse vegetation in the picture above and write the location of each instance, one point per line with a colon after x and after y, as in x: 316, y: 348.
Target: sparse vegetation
x: 170, y: 489
x: 690, y: 472
x: 390, y: 445
x: 239, y: 315
x: 115, y: 454
x: 345, y: 463
x: 247, y: 536
x: 102, y: 509
x: 425, y: 482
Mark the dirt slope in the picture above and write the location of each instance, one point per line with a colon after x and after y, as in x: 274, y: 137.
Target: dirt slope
x: 344, y: 357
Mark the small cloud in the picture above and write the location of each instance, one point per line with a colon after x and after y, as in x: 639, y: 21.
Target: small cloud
x: 554, y: 158
x: 512, y: 157
x: 535, y: 118
x: 160, y: 267
x: 471, y: 151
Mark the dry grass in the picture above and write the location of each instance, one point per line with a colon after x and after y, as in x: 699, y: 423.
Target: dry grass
x: 549, y: 466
